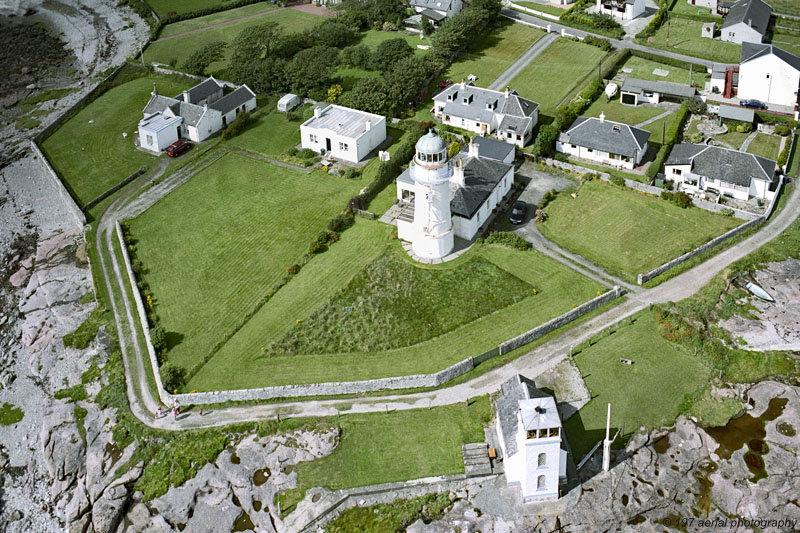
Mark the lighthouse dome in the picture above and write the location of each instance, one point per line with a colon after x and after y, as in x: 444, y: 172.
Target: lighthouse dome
x: 430, y: 143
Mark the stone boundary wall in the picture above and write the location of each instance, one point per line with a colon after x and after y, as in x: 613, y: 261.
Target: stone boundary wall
x: 163, y: 395
x: 531, y: 24
x: 559, y: 321
x: 161, y: 68
x: 80, y: 218
x: 114, y: 189
x: 346, y: 387
x: 344, y: 499
x: 541, y: 14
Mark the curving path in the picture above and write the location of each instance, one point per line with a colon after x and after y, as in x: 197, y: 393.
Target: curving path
x: 532, y: 363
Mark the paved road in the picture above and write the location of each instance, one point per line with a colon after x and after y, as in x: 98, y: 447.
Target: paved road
x: 617, y: 43
x: 530, y: 54
x: 533, y: 363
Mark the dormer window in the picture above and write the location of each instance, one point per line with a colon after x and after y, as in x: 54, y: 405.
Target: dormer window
x: 468, y: 99
x: 453, y: 97
x: 615, y: 129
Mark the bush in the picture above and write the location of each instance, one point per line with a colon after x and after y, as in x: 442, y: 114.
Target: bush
x: 727, y: 212
x: 511, y: 240
x: 784, y: 155
x: 306, y: 153
x: 783, y: 130
x: 545, y: 141
x: 294, y: 269
x: 341, y: 222
x: 603, y: 44
x: 159, y: 338
x: 696, y: 137
x: 681, y: 199
x: 744, y: 127
x: 292, y: 152
x: 239, y: 124
x: 617, y: 180
x: 355, y: 203
x: 548, y: 197
x: 697, y: 106
x: 173, y: 377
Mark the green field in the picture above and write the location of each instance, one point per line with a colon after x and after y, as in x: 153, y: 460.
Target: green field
x: 162, y: 7
x: 733, y: 138
x: 93, y: 157
x: 180, y: 48
x: 785, y: 6
x: 627, y: 232
x: 646, y: 393
x: 682, y: 7
x: 684, y: 37
x: 241, y: 363
x: 271, y: 133
x: 617, y: 112
x: 643, y: 69
x: 766, y: 146
x: 397, y: 446
x: 787, y: 40
x: 544, y: 8
x: 223, y: 17
x: 493, y: 53
x: 214, y: 247
x: 556, y: 72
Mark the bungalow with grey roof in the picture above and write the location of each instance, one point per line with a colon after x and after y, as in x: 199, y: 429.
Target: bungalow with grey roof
x: 604, y: 141
x: 505, y: 114
x: 746, y: 21
x: 343, y: 133
x: 697, y: 167
x: 437, y: 10
x: 621, y: 9
x: 635, y: 91
x: 195, y: 114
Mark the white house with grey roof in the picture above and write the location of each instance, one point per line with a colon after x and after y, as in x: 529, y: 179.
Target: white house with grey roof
x: 531, y: 440
x: 443, y: 198
x: 769, y: 74
x: 700, y: 168
x: 746, y: 22
x: 437, y: 10
x: 195, y: 114
x: 604, y: 141
x: 635, y: 91
x: 504, y: 114
x: 343, y: 133
x: 621, y: 9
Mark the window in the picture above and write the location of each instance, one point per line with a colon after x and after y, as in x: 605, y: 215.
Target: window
x: 767, y: 76
x: 677, y: 171
x: 519, y: 137
x: 542, y: 460
x: 572, y: 146
x: 312, y: 138
x: 463, y: 122
x: 589, y: 150
x: 540, y: 483
x: 343, y: 146
x: 149, y: 139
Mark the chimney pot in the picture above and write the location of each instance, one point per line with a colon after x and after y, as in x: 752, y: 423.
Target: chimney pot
x: 602, y: 117
x: 316, y: 112
x: 473, y: 148
x: 368, y: 125
x: 186, y: 96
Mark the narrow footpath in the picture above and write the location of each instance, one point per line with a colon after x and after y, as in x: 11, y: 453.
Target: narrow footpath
x: 529, y: 55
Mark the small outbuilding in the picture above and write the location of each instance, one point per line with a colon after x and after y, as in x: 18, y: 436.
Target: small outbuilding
x: 288, y: 102
x: 740, y: 114
x: 708, y: 30
x: 635, y: 91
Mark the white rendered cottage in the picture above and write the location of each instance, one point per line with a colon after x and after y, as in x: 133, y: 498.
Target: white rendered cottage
x: 442, y: 199
x: 746, y: 22
x: 697, y: 168
x: 769, y: 74
x: 437, y: 10
x: 531, y: 440
x: 343, y: 133
x: 504, y: 114
x: 635, y: 91
x: 195, y: 114
x: 604, y: 141
x: 621, y: 9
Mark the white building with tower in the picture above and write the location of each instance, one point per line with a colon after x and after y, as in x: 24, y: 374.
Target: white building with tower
x: 443, y: 198
x: 531, y: 440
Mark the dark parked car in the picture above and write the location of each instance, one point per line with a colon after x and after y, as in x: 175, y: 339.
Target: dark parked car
x: 517, y: 213
x: 755, y: 104
x: 177, y: 148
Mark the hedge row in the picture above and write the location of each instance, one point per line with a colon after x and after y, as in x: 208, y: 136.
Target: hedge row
x: 222, y: 6
x: 577, y: 17
x: 389, y: 170
x: 671, y: 136
x: 654, y: 25
x: 784, y: 155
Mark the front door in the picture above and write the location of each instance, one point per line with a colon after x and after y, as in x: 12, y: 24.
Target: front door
x: 179, y: 132
x: 224, y: 120
x: 327, y: 145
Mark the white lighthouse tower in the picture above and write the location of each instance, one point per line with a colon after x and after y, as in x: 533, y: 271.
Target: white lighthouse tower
x: 431, y: 172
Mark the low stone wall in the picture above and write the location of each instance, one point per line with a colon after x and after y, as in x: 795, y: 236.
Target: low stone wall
x: 161, y: 68
x: 559, y: 321
x: 541, y: 14
x: 62, y: 190
x: 115, y: 188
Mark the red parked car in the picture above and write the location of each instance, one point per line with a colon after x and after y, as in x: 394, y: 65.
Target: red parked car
x: 177, y: 148
x: 445, y: 83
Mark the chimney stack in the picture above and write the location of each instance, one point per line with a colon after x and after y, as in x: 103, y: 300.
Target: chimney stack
x: 186, y: 97
x: 602, y: 117
x: 458, y: 172
x: 508, y: 91
x: 473, y: 148
x: 316, y: 112
x: 155, y: 89
x: 462, y: 83
x: 368, y: 125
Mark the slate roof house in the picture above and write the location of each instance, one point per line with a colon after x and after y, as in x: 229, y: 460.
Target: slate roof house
x: 443, y: 198
x: 343, y: 133
x: 769, y: 74
x: 635, y: 91
x: 195, y: 114
x: 604, y: 141
x: 504, y: 114
x: 621, y: 9
x: 437, y: 10
x: 747, y: 21
x: 531, y: 440
x: 697, y: 167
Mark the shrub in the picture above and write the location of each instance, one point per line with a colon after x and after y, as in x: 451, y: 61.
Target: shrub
x: 696, y: 137
x: 784, y: 155
x: 727, y: 212
x: 617, y: 180
x: 453, y: 149
x: 355, y: 203
x: 744, y: 127
x: 511, y: 240
x: 783, y: 130
x: 341, y: 222
x: 173, y: 377
x: 350, y: 173
x: 239, y: 124
x: 697, y: 106
x: 548, y: 197
x: 680, y: 198
x: 545, y: 141
x: 292, y: 151
x: 603, y: 44
x: 294, y: 269
x: 306, y: 153
x: 159, y: 338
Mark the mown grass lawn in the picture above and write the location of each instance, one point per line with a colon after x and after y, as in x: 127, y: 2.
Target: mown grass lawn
x: 628, y: 232
x: 556, y: 72
x: 180, y: 48
x: 617, y: 112
x: 642, y: 69
x: 222, y: 17
x: 646, y: 393
x: 396, y: 446
x: 765, y: 145
x: 241, y: 363
x: 684, y: 37
x: 162, y: 7
x: 785, y: 6
x: 93, y: 157
x: 271, y: 133
x: 493, y: 53
x: 733, y: 137
x: 215, y: 246
x: 544, y: 8
x: 789, y: 41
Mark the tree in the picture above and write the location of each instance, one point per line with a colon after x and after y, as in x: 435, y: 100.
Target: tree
x: 333, y: 33
x: 545, y: 141
x: 159, y: 338
x: 407, y: 78
x: 371, y: 95
x: 263, y: 76
x: 492, y: 8
x: 312, y: 69
x: 199, y: 61
x: 390, y: 52
x: 334, y: 92
x: 257, y: 42
x: 357, y: 56
x: 173, y: 376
